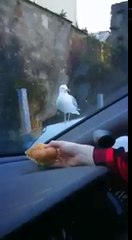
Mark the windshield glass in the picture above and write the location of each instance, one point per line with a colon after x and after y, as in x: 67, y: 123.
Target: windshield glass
x: 59, y: 63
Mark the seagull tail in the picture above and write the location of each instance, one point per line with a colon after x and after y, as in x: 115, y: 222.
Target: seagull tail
x: 76, y: 112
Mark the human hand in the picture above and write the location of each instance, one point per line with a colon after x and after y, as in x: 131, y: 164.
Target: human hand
x: 72, y: 154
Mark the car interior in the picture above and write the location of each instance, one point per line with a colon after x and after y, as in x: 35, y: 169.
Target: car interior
x: 73, y: 203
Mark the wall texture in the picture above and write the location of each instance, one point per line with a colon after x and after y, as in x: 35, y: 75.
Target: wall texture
x: 69, y: 6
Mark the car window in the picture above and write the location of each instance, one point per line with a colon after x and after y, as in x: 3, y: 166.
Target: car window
x: 59, y: 63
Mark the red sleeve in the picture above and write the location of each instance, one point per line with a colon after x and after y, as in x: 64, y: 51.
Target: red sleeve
x: 116, y: 159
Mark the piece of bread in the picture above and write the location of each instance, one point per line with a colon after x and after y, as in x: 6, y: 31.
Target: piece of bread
x: 42, y: 155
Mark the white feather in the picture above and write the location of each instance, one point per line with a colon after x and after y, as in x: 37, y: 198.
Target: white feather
x: 65, y: 102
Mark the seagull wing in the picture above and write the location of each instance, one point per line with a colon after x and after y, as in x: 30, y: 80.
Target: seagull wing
x: 74, y: 102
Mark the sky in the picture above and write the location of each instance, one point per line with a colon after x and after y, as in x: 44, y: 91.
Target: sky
x: 95, y: 15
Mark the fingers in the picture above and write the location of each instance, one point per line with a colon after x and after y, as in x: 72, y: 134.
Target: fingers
x: 59, y: 164
x: 62, y: 163
x: 73, y: 161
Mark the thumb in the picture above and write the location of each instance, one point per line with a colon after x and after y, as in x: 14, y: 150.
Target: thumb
x: 56, y: 144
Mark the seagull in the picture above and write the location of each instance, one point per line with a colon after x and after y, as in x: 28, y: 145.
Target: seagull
x: 66, y: 103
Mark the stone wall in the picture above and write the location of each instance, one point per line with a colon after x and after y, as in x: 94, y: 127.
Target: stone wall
x: 34, y: 45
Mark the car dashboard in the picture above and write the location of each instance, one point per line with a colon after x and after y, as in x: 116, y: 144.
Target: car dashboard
x: 74, y: 203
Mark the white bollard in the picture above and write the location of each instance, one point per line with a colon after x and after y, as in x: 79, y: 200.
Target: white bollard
x: 24, y: 110
x: 100, y: 100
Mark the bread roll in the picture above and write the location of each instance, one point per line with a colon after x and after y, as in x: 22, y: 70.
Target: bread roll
x: 42, y: 155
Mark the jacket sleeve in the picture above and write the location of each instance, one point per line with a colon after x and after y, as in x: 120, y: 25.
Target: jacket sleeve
x: 115, y: 159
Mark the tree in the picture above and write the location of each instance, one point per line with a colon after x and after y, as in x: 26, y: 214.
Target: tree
x: 63, y: 13
x: 85, y: 30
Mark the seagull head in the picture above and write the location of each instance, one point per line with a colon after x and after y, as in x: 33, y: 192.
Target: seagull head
x: 63, y: 88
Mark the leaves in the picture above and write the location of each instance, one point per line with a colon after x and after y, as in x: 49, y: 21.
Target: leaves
x: 63, y: 13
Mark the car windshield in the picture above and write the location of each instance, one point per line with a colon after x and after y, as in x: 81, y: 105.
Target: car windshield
x: 59, y: 63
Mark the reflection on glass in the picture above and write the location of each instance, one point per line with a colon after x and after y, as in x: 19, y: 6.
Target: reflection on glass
x: 40, y: 50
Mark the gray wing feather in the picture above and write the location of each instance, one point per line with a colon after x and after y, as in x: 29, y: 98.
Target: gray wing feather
x: 74, y: 102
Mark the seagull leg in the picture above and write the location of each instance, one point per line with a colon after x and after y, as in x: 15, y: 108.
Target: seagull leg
x: 65, y: 117
x: 69, y: 116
